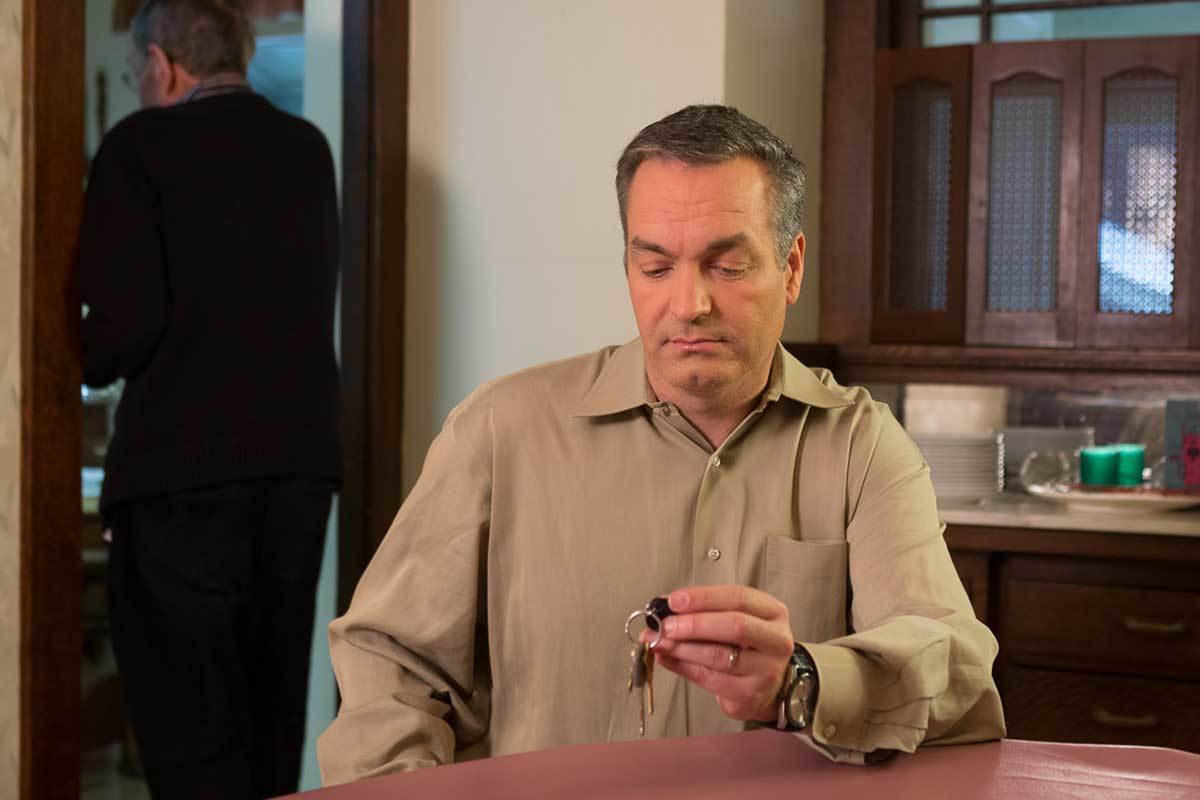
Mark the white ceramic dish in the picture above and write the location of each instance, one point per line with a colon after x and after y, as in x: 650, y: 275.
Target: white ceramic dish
x: 1113, y: 502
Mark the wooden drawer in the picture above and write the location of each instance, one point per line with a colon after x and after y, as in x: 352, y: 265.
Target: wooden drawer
x: 1102, y: 628
x: 973, y: 571
x: 1076, y: 707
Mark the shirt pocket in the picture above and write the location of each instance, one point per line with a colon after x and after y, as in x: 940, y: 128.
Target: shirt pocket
x: 810, y: 579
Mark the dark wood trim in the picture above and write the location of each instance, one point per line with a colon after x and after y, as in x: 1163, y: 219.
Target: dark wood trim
x: 851, y: 31
x: 1169, y: 370
x: 374, y: 181
x: 1077, y: 544
x: 901, y: 20
x: 894, y: 69
x: 1061, y: 62
x: 986, y: 9
x: 51, y: 515
x: 815, y: 354
x: 1178, y: 58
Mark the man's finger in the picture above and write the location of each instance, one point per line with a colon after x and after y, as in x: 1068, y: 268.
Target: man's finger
x: 717, y: 657
x: 748, y: 600
x: 729, y: 628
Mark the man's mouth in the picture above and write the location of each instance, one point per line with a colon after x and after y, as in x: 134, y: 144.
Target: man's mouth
x: 694, y: 343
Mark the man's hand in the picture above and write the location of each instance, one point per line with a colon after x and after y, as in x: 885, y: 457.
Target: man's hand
x: 734, y: 641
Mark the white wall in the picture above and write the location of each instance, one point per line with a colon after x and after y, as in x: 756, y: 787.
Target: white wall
x: 106, y: 51
x: 518, y: 112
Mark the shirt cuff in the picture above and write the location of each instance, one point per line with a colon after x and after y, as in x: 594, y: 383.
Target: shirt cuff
x: 840, y: 719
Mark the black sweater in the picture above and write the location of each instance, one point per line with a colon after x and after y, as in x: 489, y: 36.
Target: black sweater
x: 208, y: 258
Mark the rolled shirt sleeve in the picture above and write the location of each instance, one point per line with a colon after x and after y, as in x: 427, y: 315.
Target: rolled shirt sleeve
x: 917, y: 669
x: 410, y: 655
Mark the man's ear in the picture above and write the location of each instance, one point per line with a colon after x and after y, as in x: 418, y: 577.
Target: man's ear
x: 795, y: 269
x: 159, y: 65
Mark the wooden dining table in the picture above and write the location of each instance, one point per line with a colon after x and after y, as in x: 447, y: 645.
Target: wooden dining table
x: 767, y: 764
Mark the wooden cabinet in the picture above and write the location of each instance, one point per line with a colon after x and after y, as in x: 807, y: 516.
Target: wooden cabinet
x: 922, y: 100
x: 1037, y: 195
x: 1099, y: 633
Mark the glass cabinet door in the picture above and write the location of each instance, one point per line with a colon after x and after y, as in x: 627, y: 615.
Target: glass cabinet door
x: 922, y: 99
x: 1021, y: 259
x: 1139, y: 148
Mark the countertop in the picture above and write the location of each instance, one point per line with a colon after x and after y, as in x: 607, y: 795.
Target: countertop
x: 1019, y: 510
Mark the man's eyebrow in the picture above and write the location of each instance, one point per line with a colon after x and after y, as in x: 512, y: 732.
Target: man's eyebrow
x: 712, y: 249
x: 638, y: 243
x: 722, y: 245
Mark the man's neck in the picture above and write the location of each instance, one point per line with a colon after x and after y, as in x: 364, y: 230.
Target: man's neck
x: 716, y: 424
x: 716, y: 415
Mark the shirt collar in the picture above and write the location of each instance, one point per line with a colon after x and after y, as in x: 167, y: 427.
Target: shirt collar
x: 622, y: 384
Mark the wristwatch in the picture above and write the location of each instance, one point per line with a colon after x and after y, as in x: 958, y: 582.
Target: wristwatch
x: 798, y: 698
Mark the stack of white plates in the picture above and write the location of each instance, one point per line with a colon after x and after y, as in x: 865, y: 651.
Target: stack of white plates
x: 964, y: 466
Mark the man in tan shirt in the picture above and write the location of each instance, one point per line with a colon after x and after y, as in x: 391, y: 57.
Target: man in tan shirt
x: 790, y: 520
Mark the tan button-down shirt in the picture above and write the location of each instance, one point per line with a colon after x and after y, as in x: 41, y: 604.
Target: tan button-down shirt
x: 557, y: 500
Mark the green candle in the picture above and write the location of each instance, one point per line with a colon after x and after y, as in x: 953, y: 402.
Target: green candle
x: 1131, y: 459
x: 1098, y: 465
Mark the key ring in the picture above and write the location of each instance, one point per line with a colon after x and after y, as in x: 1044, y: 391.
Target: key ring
x: 649, y: 615
x: 654, y: 613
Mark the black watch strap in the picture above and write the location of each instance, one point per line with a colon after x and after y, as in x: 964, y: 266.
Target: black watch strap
x: 798, y: 696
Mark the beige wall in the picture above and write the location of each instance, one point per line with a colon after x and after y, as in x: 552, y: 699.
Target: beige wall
x: 774, y: 72
x: 518, y: 112
x: 10, y: 389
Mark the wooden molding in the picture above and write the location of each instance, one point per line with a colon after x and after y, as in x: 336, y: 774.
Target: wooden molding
x: 1029, y: 367
x: 374, y: 188
x: 846, y: 160
x: 51, y: 421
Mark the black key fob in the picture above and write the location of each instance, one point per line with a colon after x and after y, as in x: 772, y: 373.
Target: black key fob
x: 657, y: 610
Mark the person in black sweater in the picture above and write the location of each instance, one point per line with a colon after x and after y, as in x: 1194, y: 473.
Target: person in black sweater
x: 208, y: 270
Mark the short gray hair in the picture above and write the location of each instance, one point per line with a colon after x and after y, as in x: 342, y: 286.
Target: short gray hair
x: 206, y: 36
x: 713, y: 134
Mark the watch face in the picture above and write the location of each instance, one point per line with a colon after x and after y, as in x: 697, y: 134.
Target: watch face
x: 797, y: 702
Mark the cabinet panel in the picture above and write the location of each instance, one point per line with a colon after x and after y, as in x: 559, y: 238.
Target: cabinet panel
x: 1021, y: 257
x: 1076, y: 707
x: 922, y: 116
x: 1139, y: 158
x: 1103, y: 628
x: 973, y: 571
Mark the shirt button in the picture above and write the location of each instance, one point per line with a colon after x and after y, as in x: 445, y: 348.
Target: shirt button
x: 713, y: 554
x: 830, y: 730
x: 715, y: 461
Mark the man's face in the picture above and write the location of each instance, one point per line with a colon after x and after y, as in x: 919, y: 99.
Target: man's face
x: 707, y: 290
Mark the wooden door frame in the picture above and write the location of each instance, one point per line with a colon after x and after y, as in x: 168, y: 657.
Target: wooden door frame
x: 51, y: 517
x: 375, y: 42
x: 375, y: 98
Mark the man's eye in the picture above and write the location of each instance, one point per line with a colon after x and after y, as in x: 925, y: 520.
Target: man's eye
x: 729, y: 271
x: 655, y: 270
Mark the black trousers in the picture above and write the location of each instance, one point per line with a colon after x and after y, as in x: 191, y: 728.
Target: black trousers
x: 212, y: 595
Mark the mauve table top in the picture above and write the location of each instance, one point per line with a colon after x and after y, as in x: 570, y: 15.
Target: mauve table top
x: 770, y: 764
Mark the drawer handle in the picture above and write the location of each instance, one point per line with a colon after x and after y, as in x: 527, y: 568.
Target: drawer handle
x: 1135, y: 625
x: 1106, y: 717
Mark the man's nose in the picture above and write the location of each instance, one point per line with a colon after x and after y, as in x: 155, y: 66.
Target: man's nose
x: 690, y: 298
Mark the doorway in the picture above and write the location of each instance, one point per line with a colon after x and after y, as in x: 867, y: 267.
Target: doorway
x: 71, y: 99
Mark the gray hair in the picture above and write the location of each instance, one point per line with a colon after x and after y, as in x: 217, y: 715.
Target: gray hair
x: 713, y: 134
x: 207, y: 37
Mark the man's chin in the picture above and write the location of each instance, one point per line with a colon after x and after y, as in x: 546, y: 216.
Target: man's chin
x: 696, y: 379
